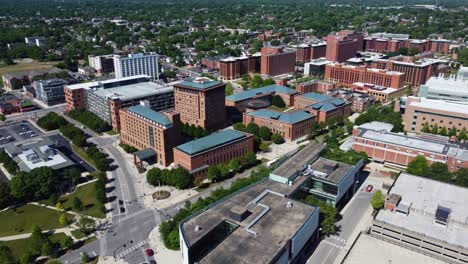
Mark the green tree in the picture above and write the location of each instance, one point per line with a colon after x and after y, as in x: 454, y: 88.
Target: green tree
x: 426, y: 128
x: 239, y: 126
x: 278, y: 101
x: 66, y: 242
x: 264, y: 132
x: 378, y: 200
x: 452, y: 132
x: 277, y: 138
x: 256, y: 81
x: 5, y: 196
x: 63, y: 219
x: 252, y: 128
x: 234, y: 165
x: 435, y: 129
x: 6, y: 256
x: 418, y: 166
x: 84, y: 257
x: 59, y: 206
x: 268, y: 81
x: 214, y: 174
x: 462, y: 135
x: 443, y: 131
x: 153, y: 176
x: 439, y: 171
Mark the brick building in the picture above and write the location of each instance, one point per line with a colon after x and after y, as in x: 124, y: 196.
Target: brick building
x: 343, y: 45
x: 314, y: 86
x: 418, y: 111
x: 387, y: 42
x: 359, y: 101
x: 145, y: 129
x: 201, y: 102
x: 290, y: 125
x: 276, y: 61
x: 415, y: 73
x: 234, y: 67
x: 324, y: 107
x: 381, y: 93
x: 384, y: 146
x: 211, y: 62
x: 347, y: 75
x: 220, y: 147
x: 310, y: 51
x: 102, y: 64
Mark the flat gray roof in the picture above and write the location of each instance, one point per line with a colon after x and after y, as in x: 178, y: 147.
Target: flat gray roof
x: 296, y: 163
x: 334, y: 170
x: 424, y: 197
x: 273, y: 230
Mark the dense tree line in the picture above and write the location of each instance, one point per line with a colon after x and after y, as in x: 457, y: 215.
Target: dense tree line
x: 194, y: 131
x: 443, y: 131
x: 260, y: 133
x: 383, y: 114
x: 51, y: 121
x: 170, y: 229
x: 89, y: 119
x: 437, y: 171
x: 223, y: 171
x: 178, y: 177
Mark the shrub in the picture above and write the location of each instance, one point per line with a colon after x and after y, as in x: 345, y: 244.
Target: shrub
x: 51, y: 121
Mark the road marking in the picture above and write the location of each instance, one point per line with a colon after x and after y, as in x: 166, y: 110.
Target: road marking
x: 103, y: 245
x: 131, y: 249
x: 132, y: 215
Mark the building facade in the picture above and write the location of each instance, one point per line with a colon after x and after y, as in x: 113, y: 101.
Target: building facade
x: 277, y: 61
x: 50, y: 91
x: 347, y: 75
x: 323, y: 107
x: 233, y: 67
x: 315, y: 86
x: 201, y: 102
x: 137, y: 64
x: 290, y: 125
x: 454, y: 89
x: 343, y: 45
x: 102, y: 64
x: 144, y: 128
x: 220, y: 147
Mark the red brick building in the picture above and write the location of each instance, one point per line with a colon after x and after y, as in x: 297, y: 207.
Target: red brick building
x: 220, y: 147
x: 346, y: 75
x: 74, y: 98
x: 343, y: 45
x: 144, y: 128
x: 276, y: 61
x: 201, y: 102
x: 234, y: 67
x: 379, y: 44
x: 384, y: 146
x: 315, y: 86
x: 290, y: 125
x: 324, y: 107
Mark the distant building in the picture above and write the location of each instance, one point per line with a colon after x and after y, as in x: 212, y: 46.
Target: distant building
x: 347, y: 75
x: 388, y: 42
x: 234, y: 67
x: 16, y: 80
x: 151, y: 131
x: 38, y: 153
x: 310, y: 51
x: 384, y: 146
x: 201, y: 102
x: 343, y: 45
x: 106, y: 98
x: 314, y: 86
x: 381, y: 93
x: 50, y: 91
x: 359, y: 101
x: 454, y: 89
x: 324, y: 107
x: 315, y: 67
x: 137, y: 64
x: 102, y: 64
x: 425, y: 216
x: 36, y: 41
x: 290, y: 125
x: 277, y: 61
x: 219, y: 147
x: 418, y: 111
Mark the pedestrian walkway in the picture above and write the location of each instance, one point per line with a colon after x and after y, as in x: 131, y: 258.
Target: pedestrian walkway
x: 66, y: 230
x: 131, y: 249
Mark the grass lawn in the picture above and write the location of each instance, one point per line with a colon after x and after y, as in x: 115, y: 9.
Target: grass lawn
x: 19, y: 247
x: 20, y: 221
x: 111, y: 132
x: 82, y: 153
x: 275, y: 108
x: 87, y: 195
x: 27, y: 65
x: 78, y: 234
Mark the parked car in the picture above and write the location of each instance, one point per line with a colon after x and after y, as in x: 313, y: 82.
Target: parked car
x: 122, y: 209
x: 149, y: 252
x: 369, y: 188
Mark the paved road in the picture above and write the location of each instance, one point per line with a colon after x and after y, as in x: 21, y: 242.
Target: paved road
x: 330, y: 248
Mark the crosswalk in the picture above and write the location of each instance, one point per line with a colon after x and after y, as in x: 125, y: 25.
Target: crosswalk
x: 335, y: 241
x: 131, y: 249
x: 129, y: 216
x: 103, y: 245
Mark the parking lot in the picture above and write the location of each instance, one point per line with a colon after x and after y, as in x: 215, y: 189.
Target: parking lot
x: 17, y: 132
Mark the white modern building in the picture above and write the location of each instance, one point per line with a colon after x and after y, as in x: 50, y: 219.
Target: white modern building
x: 454, y: 88
x: 137, y: 64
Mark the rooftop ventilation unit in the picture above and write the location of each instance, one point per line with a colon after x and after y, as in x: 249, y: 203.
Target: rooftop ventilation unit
x: 197, y: 228
x: 442, y: 215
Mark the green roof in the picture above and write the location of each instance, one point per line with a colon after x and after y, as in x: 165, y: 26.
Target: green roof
x: 209, y: 142
x: 145, y: 154
x: 328, y: 105
x: 274, y: 88
x: 150, y: 115
x: 203, y: 83
x: 286, y: 117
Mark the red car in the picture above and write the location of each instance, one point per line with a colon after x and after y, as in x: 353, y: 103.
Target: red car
x: 369, y: 188
x: 149, y: 252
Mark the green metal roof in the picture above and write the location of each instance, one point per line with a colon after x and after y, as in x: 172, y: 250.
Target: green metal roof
x: 150, y: 114
x: 145, y: 154
x: 328, y: 105
x: 214, y: 140
x: 204, y: 84
x: 287, y: 117
x: 258, y: 91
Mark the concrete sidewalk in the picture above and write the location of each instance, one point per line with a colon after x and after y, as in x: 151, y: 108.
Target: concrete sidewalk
x: 66, y: 230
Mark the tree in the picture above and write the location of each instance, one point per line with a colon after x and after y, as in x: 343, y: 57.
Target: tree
x: 59, y: 206
x: 239, y: 126
x: 153, y: 176
x: 6, y: 256
x: 84, y: 257
x: 77, y: 204
x: 264, y: 132
x: 439, y: 171
x: 63, y: 220
x: 252, y: 128
x: 378, y: 200
x: 278, y: 101
x: 234, y: 165
x: 47, y: 249
x: 277, y: 138
x: 214, y: 174
x: 443, y: 131
x: 5, y: 196
x: 268, y: 81
x: 256, y: 81
x: 426, y: 128
x: 418, y: 166
x: 452, y: 132
x: 435, y: 129
x: 66, y: 242
x: 462, y: 135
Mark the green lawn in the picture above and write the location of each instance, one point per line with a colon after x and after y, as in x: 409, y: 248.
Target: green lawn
x: 275, y: 108
x: 19, y: 247
x: 111, y: 132
x: 78, y: 234
x: 19, y: 221
x: 82, y: 153
x: 87, y: 195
